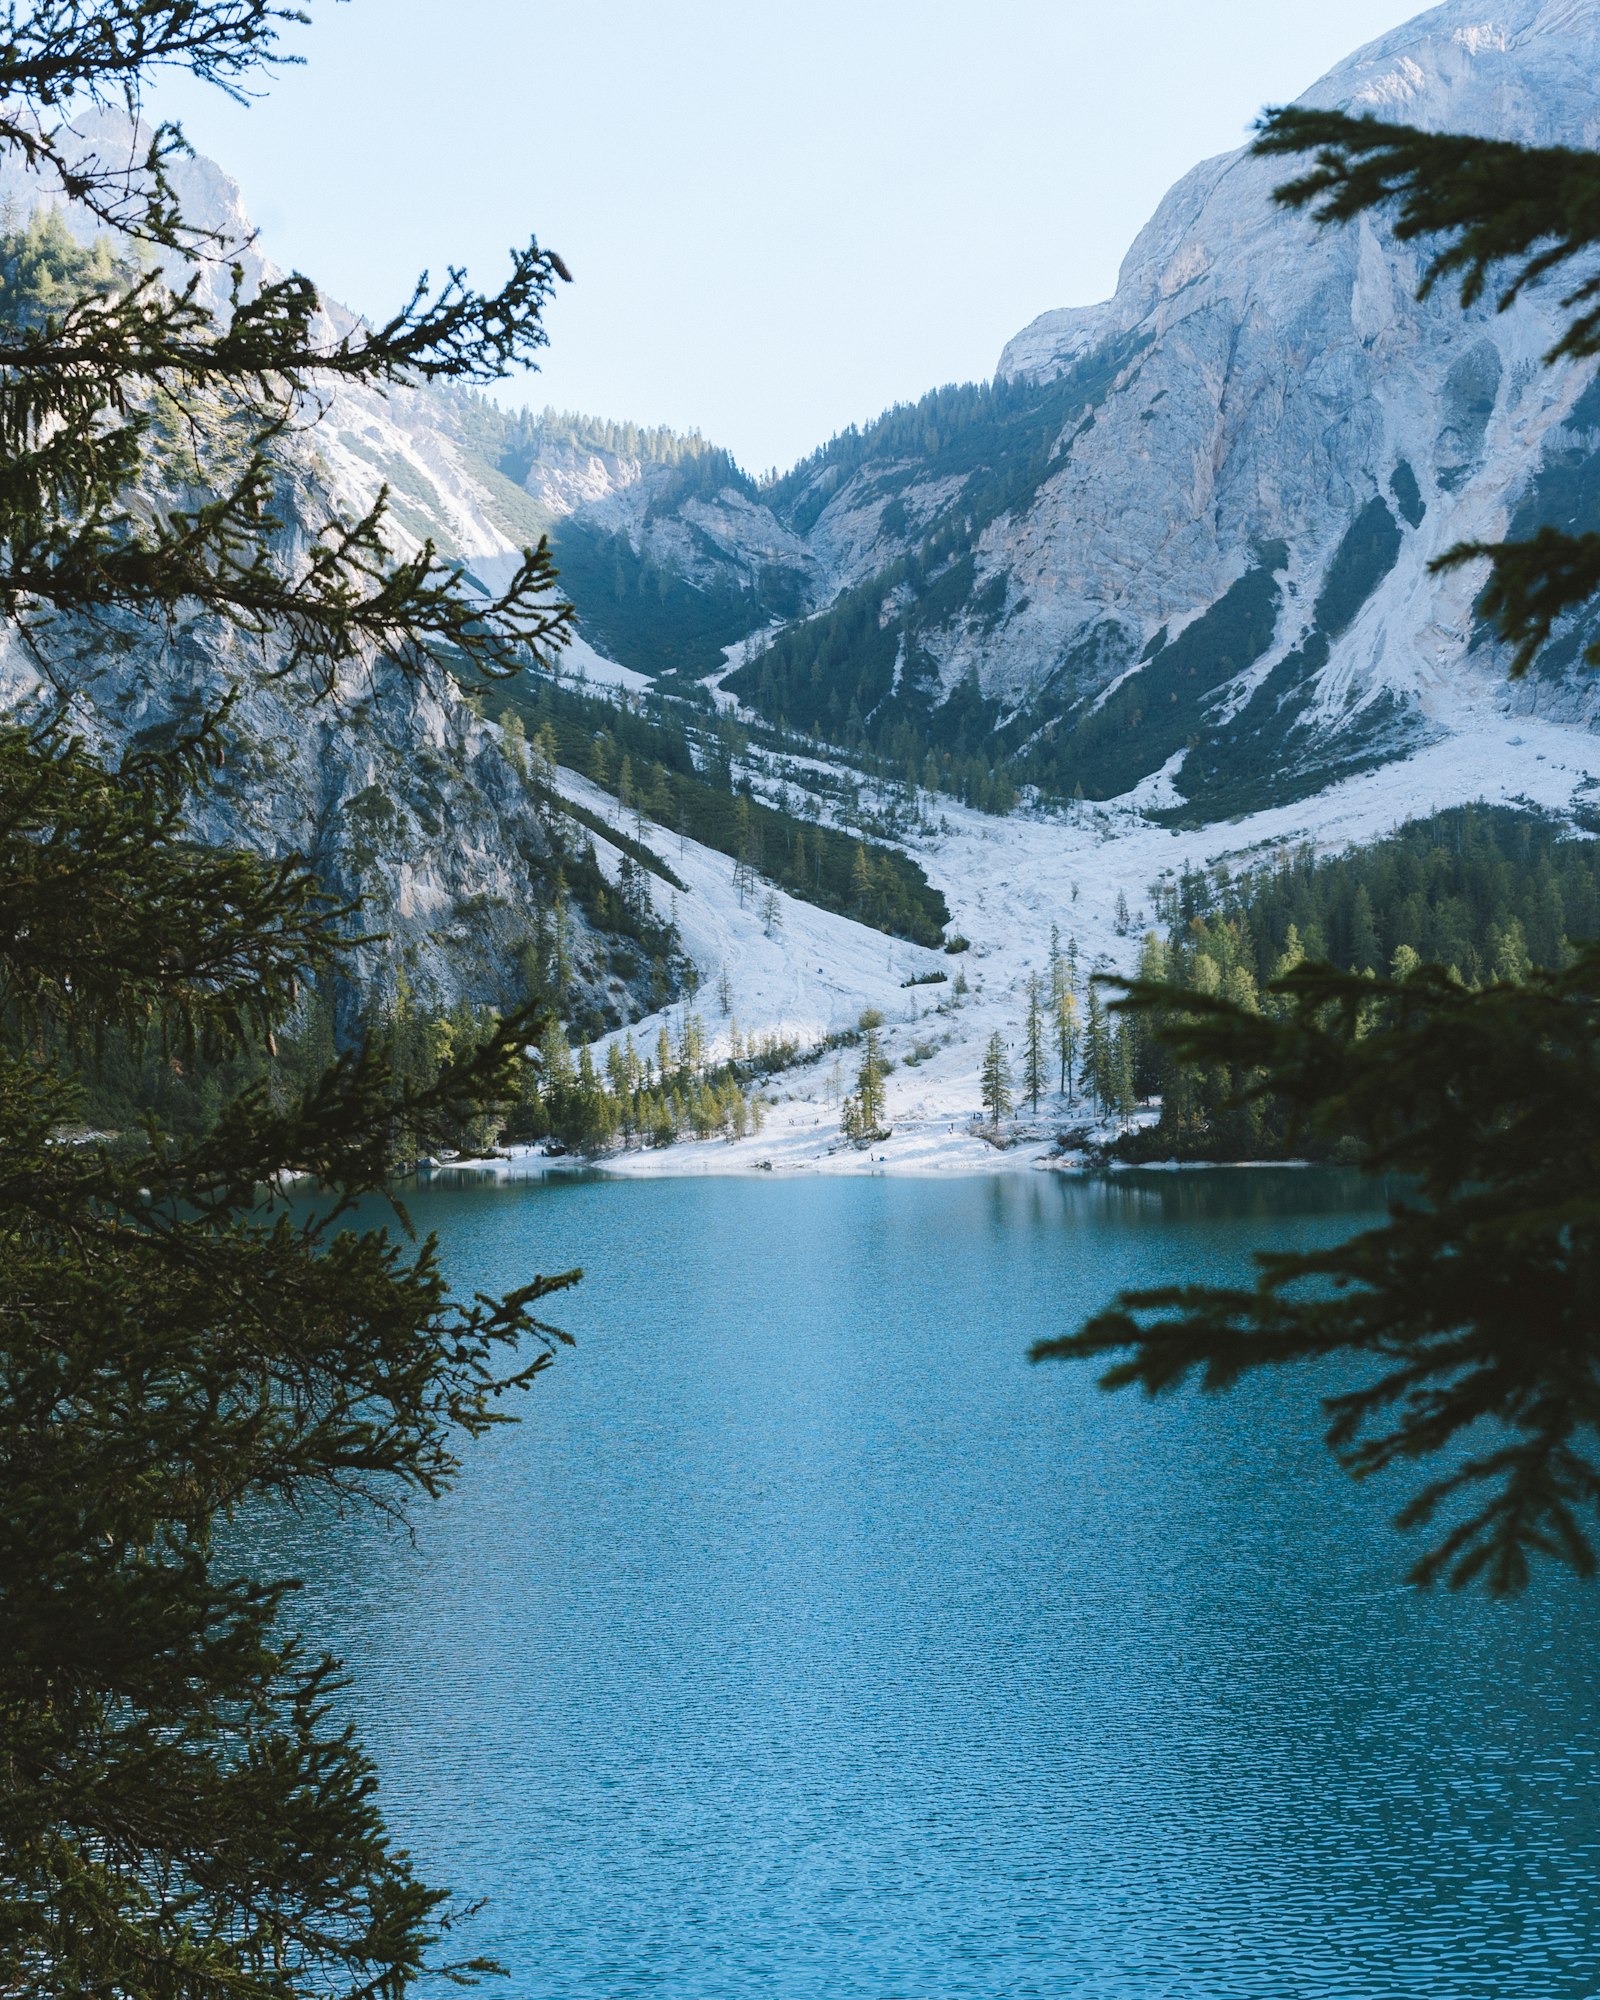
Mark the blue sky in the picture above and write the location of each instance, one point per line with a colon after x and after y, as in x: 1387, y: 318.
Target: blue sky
x: 781, y: 218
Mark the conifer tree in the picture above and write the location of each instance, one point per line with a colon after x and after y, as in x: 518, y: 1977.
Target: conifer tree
x: 1405, y: 961
x: 995, y: 1080
x: 1033, y: 1059
x: 1066, y: 1031
x: 860, y: 879
x: 180, y: 1813
x: 1293, y: 954
x: 1125, y: 1096
x: 871, y: 1103
x: 514, y: 737
x: 1096, y: 1074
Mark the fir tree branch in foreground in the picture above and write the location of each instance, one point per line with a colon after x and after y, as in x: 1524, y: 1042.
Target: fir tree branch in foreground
x: 1502, y: 214
x: 177, y: 1344
x: 182, y: 1812
x: 148, y: 447
x: 1472, y: 1312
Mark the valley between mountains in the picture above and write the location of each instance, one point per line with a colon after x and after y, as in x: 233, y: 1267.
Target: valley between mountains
x: 1007, y: 881
x: 1155, y: 599
x: 1166, y: 579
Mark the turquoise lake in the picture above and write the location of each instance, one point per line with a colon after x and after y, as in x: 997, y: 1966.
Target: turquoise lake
x: 803, y: 1641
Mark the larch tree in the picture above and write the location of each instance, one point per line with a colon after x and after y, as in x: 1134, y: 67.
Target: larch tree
x: 1470, y: 1309
x: 869, y: 1082
x: 1125, y: 1094
x: 180, y: 1812
x: 1066, y: 1034
x: 862, y: 1114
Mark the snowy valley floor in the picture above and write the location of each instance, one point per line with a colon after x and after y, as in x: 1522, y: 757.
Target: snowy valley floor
x: 1007, y: 881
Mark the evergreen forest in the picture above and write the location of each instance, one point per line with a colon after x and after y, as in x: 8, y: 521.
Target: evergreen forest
x: 1487, y: 893
x: 679, y: 775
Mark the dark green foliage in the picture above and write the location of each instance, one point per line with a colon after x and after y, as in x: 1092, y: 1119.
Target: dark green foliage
x: 652, y: 619
x: 644, y: 1098
x: 685, y: 784
x: 1565, y: 492
x: 1034, y: 1071
x: 513, y: 440
x: 1449, y: 887
x: 1532, y: 584
x: 1486, y: 892
x: 560, y: 807
x: 1472, y: 1308
x: 994, y: 1079
x: 838, y: 663
x: 855, y: 677
x: 862, y: 1115
x: 1252, y: 759
x: 201, y: 418
x: 1471, y: 1313
x: 177, y: 1344
x: 634, y: 611
x: 1260, y: 759
x: 999, y: 436
x: 1156, y: 711
x: 1496, y: 204
x: 836, y: 674
x: 1407, y: 494
x: 1362, y: 560
x: 182, y: 1812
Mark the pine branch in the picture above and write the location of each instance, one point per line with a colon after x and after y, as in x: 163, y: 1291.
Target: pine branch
x: 1531, y: 584
x: 1476, y: 1304
x: 1524, y: 212
x: 112, y: 916
x: 1499, y: 204
x: 182, y: 1809
x: 60, y: 54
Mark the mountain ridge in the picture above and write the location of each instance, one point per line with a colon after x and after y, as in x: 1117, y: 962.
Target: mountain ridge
x: 1175, y: 552
x: 1269, y: 382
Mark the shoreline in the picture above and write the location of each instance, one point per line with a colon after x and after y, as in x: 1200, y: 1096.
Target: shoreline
x: 710, y: 1159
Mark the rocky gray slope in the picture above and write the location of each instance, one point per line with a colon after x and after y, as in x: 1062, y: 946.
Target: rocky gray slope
x: 1181, y: 542
x: 397, y: 794
x: 391, y: 786
x: 1178, y: 547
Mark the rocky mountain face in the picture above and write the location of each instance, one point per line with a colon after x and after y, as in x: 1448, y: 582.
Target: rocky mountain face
x: 391, y: 785
x: 1179, y: 546
x: 397, y: 794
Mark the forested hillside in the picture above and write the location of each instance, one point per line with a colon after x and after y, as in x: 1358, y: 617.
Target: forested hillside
x: 1487, y: 893
x: 682, y: 781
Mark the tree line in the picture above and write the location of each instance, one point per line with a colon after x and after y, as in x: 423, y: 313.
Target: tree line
x: 1487, y: 894
x: 646, y: 758
x: 647, y: 1097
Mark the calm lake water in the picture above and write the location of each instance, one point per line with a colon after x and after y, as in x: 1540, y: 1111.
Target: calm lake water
x: 805, y: 1642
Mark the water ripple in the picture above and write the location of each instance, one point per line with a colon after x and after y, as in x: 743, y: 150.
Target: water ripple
x: 805, y: 1643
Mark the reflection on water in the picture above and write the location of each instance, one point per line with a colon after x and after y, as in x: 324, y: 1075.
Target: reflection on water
x: 804, y: 1641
